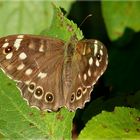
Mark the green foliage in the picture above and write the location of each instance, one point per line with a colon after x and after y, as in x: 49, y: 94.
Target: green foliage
x: 27, y: 16
x: 119, y: 15
x: 123, y: 27
x: 18, y: 120
x: 116, y: 24
x: 61, y: 27
x: 122, y: 123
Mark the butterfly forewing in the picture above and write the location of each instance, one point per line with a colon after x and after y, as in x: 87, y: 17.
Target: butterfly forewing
x: 28, y: 52
x: 35, y: 61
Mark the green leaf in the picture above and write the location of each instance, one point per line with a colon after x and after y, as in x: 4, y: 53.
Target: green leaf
x: 114, y: 99
x: 62, y: 27
x: 96, y: 106
x: 18, y: 120
x: 29, y: 17
x: 120, y: 15
x: 122, y: 123
x: 29, y: 122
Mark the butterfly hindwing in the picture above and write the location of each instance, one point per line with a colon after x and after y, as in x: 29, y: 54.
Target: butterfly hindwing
x: 88, y: 64
x: 93, y: 60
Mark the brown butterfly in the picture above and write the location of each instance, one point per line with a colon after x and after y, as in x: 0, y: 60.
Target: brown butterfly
x: 51, y: 73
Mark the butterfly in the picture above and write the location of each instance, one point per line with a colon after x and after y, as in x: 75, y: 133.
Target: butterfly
x: 51, y: 73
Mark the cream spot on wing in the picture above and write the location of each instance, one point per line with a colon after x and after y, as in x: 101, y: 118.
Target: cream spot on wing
x: 27, y: 82
x: 89, y: 72
x: 21, y: 66
x: 5, y: 45
x: 106, y: 62
x: 79, y: 76
x: 102, y: 72
x: 95, y: 49
x: 22, y: 56
x: 90, y: 61
x: 28, y: 71
x: 41, y: 49
x: 84, y: 50
x: 20, y: 36
x: 42, y: 75
x: 17, y: 43
x: 97, y: 63
x: 6, y: 40
x: 9, y: 55
x: 95, y: 41
x: 101, y: 52
x: 84, y: 90
x: 85, y: 76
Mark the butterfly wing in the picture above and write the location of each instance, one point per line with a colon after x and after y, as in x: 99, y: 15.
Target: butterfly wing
x: 88, y: 64
x: 36, y: 64
x: 45, y: 80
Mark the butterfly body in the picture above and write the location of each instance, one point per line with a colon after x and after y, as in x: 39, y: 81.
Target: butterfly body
x: 51, y: 73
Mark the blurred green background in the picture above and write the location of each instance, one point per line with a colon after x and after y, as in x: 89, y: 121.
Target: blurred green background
x: 117, y: 25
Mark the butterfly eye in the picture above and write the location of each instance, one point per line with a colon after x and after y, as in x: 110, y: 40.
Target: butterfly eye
x: 98, y: 56
x: 39, y: 91
x: 49, y: 97
x: 8, y: 49
x: 72, y: 97
x: 31, y: 87
x: 84, y: 90
x: 79, y: 93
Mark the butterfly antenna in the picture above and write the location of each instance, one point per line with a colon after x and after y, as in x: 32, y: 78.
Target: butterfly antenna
x: 74, y: 33
x: 85, y: 19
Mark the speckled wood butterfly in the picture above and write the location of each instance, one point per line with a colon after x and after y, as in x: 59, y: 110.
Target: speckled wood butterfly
x: 51, y: 73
